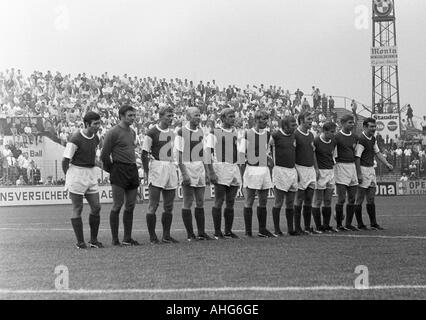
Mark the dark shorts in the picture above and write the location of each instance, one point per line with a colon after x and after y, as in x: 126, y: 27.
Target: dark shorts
x: 124, y: 175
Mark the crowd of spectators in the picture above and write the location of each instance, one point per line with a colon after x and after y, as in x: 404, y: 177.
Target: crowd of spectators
x: 61, y: 100
x: 52, y: 104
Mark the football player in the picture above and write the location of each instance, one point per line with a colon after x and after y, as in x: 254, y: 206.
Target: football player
x: 284, y: 174
x: 307, y: 170
x: 161, y: 173
x: 190, y: 146
x: 224, y: 172
x: 324, y: 151
x: 78, y: 164
x: 365, y: 151
x: 257, y: 176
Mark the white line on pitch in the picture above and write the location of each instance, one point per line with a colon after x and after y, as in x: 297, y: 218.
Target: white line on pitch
x: 372, y: 236
x: 222, y: 289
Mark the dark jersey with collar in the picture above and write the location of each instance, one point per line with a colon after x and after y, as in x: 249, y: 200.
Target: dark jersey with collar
x: 346, y: 145
x: 257, y: 147
x: 191, y: 144
x: 366, y: 150
x: 284, y: 149
x: 304, y: 148
x: 324, y: 152
x: 159, y: 143
x: 81, y: 150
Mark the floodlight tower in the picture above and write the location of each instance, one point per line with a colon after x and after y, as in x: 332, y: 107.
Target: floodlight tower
x: 384, y: 57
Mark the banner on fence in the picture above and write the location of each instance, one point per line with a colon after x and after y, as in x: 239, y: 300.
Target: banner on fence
x: 51, y: 195
x: 415, y: 187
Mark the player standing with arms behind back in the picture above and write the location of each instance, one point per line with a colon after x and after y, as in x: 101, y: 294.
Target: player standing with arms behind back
x: 365, y: 151
x: 324, y: 151
x: 345, y: 172
x: 224, y: 172
x: 306, y: 166
x: 284, y: 174
x: 161, y: 174
x: 78, y: 165
x: 119, y: 145
x: 189, y: 143
x: 257, y: 176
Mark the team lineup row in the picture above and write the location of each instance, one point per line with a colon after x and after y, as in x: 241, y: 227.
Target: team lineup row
x: 302, y: 169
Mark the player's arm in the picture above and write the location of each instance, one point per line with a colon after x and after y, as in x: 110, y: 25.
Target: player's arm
x: 242, y: 150
x: 179, y: 146
x: 315, y: 162
x: 358, y: 152
x: 106, y: 152
x: 381, y: 157
x: 209, y: 151
x: 69, y: 152
x: 146, y: 149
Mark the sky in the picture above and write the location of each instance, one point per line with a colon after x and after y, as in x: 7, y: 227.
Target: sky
x: 288, y: 43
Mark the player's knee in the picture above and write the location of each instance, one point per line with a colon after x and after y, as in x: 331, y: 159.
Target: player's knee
x: 327, y: 203
x: 116, y: 206
x: 168, y: 207
x: 218, y: 203
x: 96, y: 209
x: 341, y: 200
x: 152, y: 207
x: 230, y: 203
x: 263, y: 202
x: 370, y: 200
x: 289, y: 203
x: 199, y: 203
x: 130, y: 206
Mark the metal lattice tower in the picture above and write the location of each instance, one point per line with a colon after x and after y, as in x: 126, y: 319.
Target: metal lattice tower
x: 385, y: 78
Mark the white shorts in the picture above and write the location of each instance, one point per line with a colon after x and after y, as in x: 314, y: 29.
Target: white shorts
x: 345, y: 173
x: 368, y: 177
x: 81, y: 180
x: 163, y: 174
x: 196, y: 173
x: 257, y: 178
x: 228, y: 174
x: 326, y: 179
x: 285, y: 179
x: 307, y: 177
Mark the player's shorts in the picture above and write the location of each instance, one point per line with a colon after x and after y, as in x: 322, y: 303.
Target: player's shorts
x: 125, y: 175
x: 368, y: 177
x: 307, y: 177
x: 257, y: 178
x: 345, y: 173
x: 326, y: 179
x: 196, y: 173
x: 163, y: 174
x: 228, y: 174
x: 285, y: 179
x: 81, y: 180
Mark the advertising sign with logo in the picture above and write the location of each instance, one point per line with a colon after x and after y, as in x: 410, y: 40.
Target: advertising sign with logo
x: 387, y: 125
x: 384, y: 56
x: 416, y: 187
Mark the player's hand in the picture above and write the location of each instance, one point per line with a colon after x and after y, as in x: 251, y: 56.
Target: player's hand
x: 270, y: 162
x: 359, y: 179
x: 213, y: 178
x: 390, y: 167
x: 318, y: 174
x: 145, y: 177
x: 186, y: 180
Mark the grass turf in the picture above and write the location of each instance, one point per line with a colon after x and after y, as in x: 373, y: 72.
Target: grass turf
x: 34, y: 240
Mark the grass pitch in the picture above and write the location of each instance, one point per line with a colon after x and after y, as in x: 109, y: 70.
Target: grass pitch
x: 35, y: 240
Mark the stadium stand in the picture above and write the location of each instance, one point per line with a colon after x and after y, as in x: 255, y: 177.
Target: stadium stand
x: 50, y: 106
